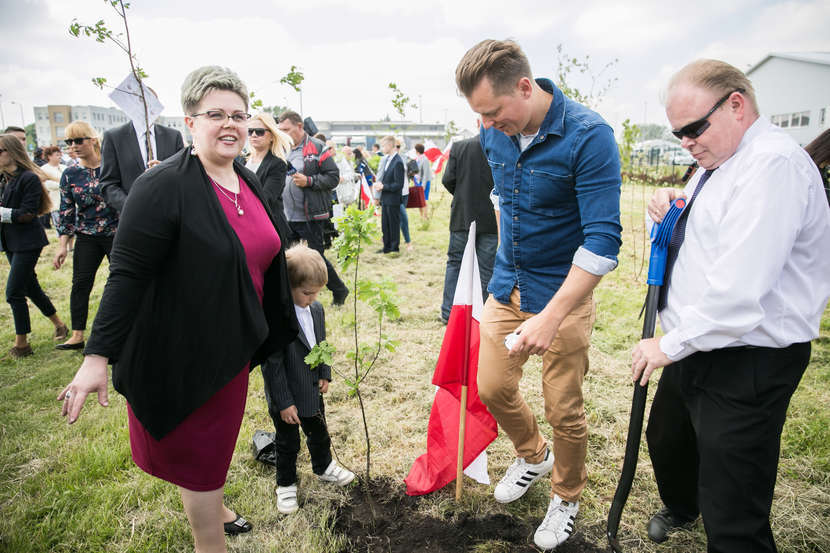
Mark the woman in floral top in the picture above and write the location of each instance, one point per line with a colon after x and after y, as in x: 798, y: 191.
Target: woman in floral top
x: 85, y: 215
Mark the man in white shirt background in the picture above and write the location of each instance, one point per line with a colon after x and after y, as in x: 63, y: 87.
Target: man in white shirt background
x: 745, y: 295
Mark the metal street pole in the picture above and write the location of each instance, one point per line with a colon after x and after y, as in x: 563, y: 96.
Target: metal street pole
x: 22, y: 122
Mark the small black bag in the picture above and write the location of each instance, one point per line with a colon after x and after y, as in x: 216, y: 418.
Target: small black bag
x: 263, y: 447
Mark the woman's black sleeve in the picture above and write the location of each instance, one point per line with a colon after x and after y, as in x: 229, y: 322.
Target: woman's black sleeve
x: 147, y: 230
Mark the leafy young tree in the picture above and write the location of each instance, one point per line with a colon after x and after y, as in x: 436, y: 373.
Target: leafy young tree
x: 294, y: 78
x: 101, y: 33
x: 357, y: 229
x: 450, y: 130
x: 571, y: 69
x: 651, y: 131
x: 400, y: 101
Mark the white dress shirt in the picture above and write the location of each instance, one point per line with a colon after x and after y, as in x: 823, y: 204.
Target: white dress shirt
x: 754, y: 268
x: 306, y: 323
x: 142, y: 144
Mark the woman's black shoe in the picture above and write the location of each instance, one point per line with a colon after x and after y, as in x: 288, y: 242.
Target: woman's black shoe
x: 238, y: 526
x: 77, y: 345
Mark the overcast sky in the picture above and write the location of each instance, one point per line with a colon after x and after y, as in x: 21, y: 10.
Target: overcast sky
x: 350, y: 50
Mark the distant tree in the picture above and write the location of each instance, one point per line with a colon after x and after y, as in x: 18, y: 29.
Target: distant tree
x: 31, y: 136
x: 450, y: 130
x: 631, y: 135
x: 652, y: 131
x: 400, y: 101
x: 294, y: 78
x: 569, y: 69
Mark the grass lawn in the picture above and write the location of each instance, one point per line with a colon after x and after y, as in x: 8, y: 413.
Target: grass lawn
x: 75, y: 488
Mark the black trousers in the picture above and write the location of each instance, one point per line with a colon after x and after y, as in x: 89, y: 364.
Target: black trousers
x: 390, y: 224
x: 312, y: 233
x: 88, y: 254
x: 714, y: 436
x: 288, y: 445
x: 22, y: 283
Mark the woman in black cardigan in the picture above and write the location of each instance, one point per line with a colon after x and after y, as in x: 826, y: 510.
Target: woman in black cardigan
x: 269, y: 149
x: 22, y: 237
x: 198, y: 292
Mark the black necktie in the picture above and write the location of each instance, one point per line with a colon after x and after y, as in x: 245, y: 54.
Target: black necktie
x: 678, y: 234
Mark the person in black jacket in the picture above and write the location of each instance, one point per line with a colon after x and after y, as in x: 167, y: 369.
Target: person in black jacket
x: 294, y: 390
x: 390, y: 182
x: 269, y: 150
x: 311, y: 177
x: 23, y: 238
x: 469, y: 179
x: 197, y: 295
x: 124, y: 157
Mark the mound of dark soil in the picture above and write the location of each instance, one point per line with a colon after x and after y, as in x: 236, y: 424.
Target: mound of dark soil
x: 387, y: 521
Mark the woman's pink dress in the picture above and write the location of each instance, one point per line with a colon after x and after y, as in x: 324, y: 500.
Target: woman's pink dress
x: 197, y: 453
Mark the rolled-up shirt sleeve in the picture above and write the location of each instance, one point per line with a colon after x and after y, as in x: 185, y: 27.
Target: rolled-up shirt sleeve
x: 597, y: 186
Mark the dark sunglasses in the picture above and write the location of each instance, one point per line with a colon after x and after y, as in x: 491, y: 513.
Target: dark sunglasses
x: 257, y: 132
x: 73, y: 141
x: 697, y: 128
x: 2, y: 151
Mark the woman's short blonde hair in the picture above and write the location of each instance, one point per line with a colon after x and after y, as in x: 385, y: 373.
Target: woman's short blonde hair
x: 209, y: 78
x: 82, y: 129
x: 281, y: 143
x: 305, y: 266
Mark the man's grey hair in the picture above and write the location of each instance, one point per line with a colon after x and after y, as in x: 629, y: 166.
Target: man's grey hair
x: 717, y: 76
x: 206, y: 79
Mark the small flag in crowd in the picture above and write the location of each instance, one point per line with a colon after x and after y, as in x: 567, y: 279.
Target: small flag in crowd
x: 365, y: 191
x: 437, y: 467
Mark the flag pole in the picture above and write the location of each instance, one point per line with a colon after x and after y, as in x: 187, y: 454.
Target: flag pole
x: 462, y: 414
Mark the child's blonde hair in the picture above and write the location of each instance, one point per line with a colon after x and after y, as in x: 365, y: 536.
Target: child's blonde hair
x: 305, y: 266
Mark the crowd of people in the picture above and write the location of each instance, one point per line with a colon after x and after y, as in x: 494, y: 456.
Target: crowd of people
x: 181, y: 225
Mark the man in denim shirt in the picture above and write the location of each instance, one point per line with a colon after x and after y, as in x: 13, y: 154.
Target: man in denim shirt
x: 556, y: 174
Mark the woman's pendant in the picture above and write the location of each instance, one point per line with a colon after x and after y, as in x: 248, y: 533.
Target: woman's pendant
x: 239, y: 211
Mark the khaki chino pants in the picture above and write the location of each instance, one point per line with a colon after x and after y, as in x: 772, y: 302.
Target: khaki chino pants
x: 564, y: 366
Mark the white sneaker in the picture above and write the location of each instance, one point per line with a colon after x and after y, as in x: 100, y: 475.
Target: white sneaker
x: 287, y: 499
x: 558, y: 524
x: 519, y: 476
x: 337, y: 474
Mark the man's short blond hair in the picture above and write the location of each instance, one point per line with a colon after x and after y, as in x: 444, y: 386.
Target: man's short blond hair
x: 501, y: 61
x: 305, y: 266
x: 388, y: 139
x: 717, y: 76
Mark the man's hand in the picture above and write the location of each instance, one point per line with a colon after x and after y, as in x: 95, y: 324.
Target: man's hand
x: 535, y: 335
x: 646, y: 357
x: 660, y: 202
x: 300, y: 180
x: 324, y: 385
x: 289, y: 415
x: 378, y: 186
x: 152, y: 163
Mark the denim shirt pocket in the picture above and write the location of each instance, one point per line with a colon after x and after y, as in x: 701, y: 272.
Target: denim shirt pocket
x: 498, y: 175
x: 548, y: 192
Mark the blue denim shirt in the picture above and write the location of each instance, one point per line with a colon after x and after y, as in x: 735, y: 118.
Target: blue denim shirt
x: 559, y: 202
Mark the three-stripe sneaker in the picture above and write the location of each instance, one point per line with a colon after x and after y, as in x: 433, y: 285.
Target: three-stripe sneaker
x: 558, y: 524
x: 520, y: 475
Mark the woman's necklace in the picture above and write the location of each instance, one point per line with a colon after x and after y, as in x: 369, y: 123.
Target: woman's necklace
x: 234, y: 199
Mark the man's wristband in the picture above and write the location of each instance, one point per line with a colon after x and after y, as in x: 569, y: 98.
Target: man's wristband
x: 5, y: 215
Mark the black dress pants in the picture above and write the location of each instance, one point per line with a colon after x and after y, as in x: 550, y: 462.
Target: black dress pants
x: 390, y: 223
x: 22, y: 283
x: 88, y: 254
x: 714, y: 436
x: 287, y: 445
x: 312, y: 233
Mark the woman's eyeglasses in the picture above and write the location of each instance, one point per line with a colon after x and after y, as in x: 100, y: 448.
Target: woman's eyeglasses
x: 697, y: 128
x: 257, y: 132
x: 73, y: 141
x: 219, y: 116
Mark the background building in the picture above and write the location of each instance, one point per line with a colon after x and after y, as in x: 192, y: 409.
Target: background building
x: 50, y: 121
x: 793, y: 91
x: 366, y: 133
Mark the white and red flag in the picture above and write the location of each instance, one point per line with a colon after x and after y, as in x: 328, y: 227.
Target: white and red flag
x: 365, y: 191
x: 457, y: 367
x: 439, y: 161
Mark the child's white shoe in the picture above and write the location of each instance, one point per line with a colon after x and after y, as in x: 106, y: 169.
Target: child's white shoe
x: 337, y: 474
x: 287, y: 499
